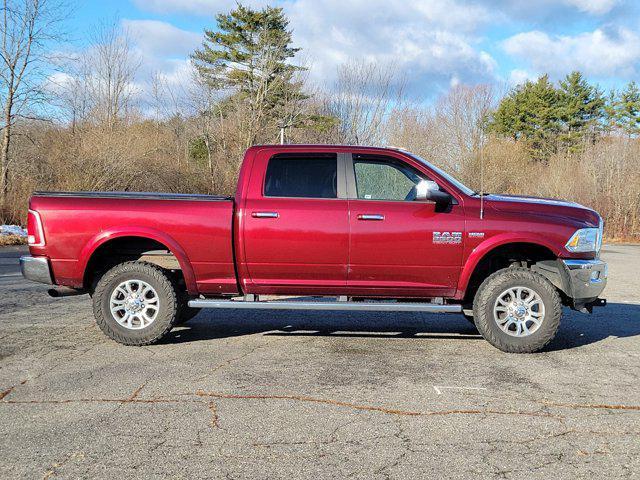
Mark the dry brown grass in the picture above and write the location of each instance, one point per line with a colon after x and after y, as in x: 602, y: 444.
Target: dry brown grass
x: 145, y: 155
x: 7, y: 240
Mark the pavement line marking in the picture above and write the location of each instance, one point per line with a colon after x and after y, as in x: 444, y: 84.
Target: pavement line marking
x: 439, y: 388
x: 11, y: 275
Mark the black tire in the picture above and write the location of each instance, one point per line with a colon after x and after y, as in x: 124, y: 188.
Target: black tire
x: 167, y: 303
x: 499, y: 282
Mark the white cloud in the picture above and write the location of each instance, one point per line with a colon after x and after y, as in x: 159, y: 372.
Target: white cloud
x: 599, y: 53
x: 594, y: 7
x: 198, y: 7
x: 156, y: 38
x: 431, y: 43
x: 518, y: 77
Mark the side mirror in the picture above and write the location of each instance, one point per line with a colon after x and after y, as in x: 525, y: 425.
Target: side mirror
x: 429, y: 190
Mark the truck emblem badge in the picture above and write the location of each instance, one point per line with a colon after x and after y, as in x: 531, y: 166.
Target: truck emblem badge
x: 476, y: 234
x: 447, y: 237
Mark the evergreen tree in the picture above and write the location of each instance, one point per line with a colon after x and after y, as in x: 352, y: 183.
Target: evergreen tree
x: 627, y: 110
x: 248, y: 59
x: 550, y: 118
x: 610, y: 110
x: 580, y: 110
x: 530, y: 113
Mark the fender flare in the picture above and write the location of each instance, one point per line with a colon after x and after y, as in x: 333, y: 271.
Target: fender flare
x: 142, y: 232
x: 489, y: 245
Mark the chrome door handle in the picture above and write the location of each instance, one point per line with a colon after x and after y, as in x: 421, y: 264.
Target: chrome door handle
x: 370, y: 216
x: 265, y: 214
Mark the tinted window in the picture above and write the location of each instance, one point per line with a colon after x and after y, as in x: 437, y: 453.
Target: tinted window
x: 382, y: 179
x: 308, y: 176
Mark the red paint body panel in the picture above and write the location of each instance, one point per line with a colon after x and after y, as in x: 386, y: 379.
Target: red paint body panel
x: 314, y: 246
x: 198, y: 233
x: 306, y: 246
x: 399, y: 254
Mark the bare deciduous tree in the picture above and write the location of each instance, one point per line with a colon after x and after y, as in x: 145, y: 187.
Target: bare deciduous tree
x: 111, y: 72
x: 26, y: 26
x: 99, y: 82
x: 462, y: 114
x: 365, y: 94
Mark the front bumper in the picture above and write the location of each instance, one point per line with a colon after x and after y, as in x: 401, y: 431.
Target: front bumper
x: 582, y: 281
x: 586, y: 278
x: 36, y: 269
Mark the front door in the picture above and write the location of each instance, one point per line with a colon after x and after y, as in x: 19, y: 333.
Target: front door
x: 399, y: 246
x: 296, y: 226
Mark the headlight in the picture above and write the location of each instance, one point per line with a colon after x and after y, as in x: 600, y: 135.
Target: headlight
x: 585, y: 240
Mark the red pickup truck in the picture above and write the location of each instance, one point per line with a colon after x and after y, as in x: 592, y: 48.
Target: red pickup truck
x: 374, y: 228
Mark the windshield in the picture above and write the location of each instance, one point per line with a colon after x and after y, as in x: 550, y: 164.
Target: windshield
x: 459, y: 185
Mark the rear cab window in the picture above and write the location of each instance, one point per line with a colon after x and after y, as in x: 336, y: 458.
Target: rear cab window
x: 302, y: 175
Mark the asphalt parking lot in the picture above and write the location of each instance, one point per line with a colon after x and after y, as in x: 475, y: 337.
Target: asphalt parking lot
x: 317, y: 394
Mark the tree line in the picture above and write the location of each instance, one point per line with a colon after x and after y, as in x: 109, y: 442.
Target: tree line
x: 550, y: 118
x: 86, y: 128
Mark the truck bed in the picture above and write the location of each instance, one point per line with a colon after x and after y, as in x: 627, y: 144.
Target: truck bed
x: 197, y: 229
x: 136, y: 195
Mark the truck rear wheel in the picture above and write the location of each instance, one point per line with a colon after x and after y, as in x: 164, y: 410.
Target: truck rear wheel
x: 135, y: 303
x: 517, y: 310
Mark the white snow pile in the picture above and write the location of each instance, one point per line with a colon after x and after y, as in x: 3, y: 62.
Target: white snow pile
x: 12, y: 230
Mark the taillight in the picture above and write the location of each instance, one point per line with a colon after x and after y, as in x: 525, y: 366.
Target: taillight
x: 35, y: 232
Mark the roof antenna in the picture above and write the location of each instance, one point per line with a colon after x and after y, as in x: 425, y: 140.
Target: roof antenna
x: 481, y: 178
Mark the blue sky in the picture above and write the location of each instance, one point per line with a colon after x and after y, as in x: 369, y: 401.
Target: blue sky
x: 432, y: 44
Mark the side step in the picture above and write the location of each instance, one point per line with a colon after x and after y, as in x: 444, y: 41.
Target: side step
x: 343, y: 306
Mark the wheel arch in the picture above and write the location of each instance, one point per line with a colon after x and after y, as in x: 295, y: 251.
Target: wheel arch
x: 141, y: 240
x: 490, y: 257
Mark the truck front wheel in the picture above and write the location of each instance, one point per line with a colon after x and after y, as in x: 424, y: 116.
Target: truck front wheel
x: 135, y: 303
x: 517, y: 310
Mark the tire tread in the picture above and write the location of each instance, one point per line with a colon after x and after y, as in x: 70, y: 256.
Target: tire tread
x: 168, y: 292
x: 485, y: 295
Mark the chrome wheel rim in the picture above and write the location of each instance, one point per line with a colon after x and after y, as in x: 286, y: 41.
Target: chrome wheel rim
x: 519, y: 311
x: 134, y: 304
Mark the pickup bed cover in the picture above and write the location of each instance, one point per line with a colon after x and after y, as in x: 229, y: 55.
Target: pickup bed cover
x: 137, y: 195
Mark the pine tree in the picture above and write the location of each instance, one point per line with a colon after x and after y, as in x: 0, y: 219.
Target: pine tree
x: 610, y: 111
x: 530, y: 113
x: 249, y: 58
x: 627, y: 110
x: 580, y: 110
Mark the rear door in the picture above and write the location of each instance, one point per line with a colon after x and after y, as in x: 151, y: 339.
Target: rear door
x: 399, y: 246
x: 296, y: 225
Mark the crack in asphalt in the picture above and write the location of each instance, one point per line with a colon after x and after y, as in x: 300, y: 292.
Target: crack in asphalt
x: 6, y: 392
x: 372, y: 408
x: 595, y: 406
x: 213, y: 408
x: 136, y: 392
x: 228, y: 362
x: 53, y: 470
x: 134, y: 398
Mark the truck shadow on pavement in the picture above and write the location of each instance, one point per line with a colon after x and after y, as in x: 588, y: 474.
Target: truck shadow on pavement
x: 616, y: 320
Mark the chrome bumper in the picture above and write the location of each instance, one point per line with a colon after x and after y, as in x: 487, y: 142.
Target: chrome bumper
x: 585, y: 279
x: 36, y: 269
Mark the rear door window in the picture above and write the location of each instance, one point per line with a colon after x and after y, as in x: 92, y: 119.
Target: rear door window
x: 302, y: 175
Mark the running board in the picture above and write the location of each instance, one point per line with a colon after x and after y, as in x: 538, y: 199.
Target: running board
x: 299, y: 305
